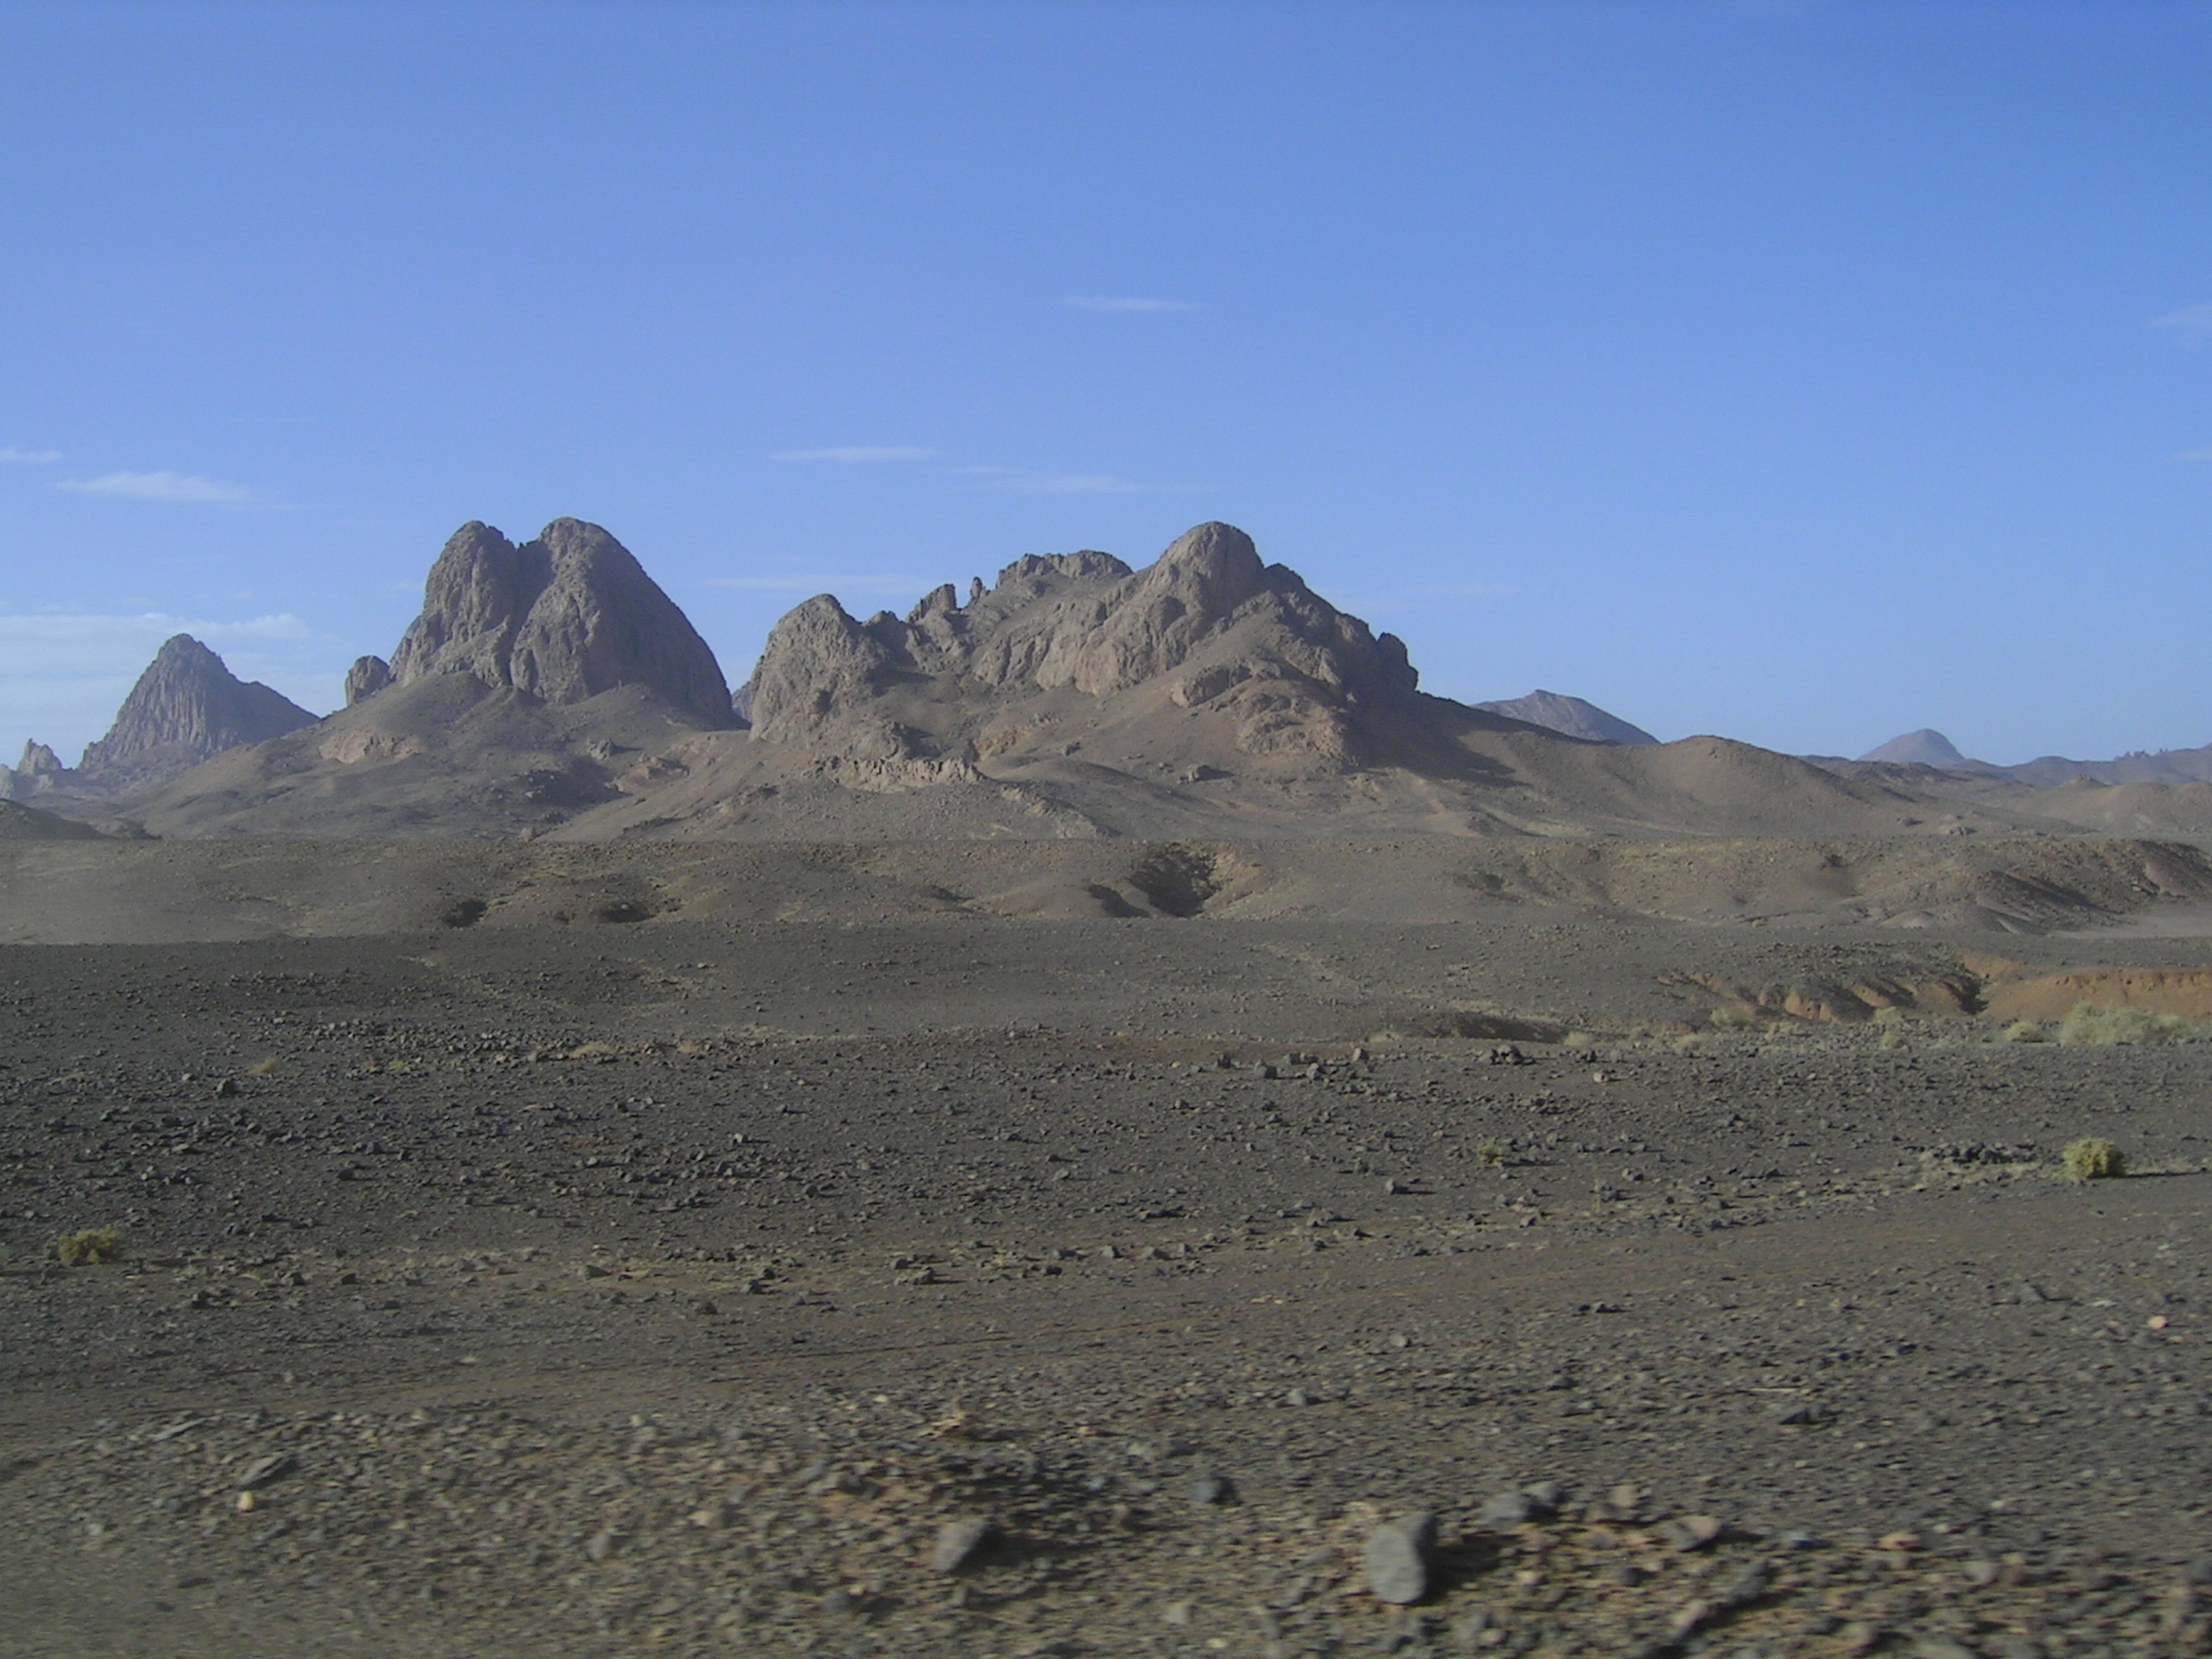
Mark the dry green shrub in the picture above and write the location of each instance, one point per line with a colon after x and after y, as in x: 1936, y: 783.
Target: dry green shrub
x: 2086, y: 1026
x: 89, y: 1248
x: 2025, y: 1030
x: 2091, y: 1159
x: 1492, y: 1151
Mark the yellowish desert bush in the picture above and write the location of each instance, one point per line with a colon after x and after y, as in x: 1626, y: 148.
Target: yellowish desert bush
x: 89, y: 1248
x: 2091, y: 1159
x: 2087, y: 1026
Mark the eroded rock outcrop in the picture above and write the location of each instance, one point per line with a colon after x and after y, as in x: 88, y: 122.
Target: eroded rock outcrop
x: 368, y: 677
x: 562, y: 618
x: 186, y: 708
x: 39, y: 772
x: 1208, y: 628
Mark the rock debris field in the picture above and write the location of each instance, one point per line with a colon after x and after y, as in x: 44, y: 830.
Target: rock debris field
x: 977, y: 1289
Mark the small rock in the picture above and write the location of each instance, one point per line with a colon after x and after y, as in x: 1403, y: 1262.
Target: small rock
x: 1746, y: 1587
x: 956, y: 1542
x: 1546, y: 1495
x: 1939, y: 1647
x: 1298, y: 1397
x: 604, y: 1543
x: 1979, y: 1573
x: 1176, y: 1614
x: 1397, y: 1559
x: 1507, y: 1509
x: 263, y: 1470
x: 1691, y: 1532
x: 1209, y: 1489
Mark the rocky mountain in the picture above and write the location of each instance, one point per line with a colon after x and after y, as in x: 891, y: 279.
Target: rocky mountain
x: 2170, y: 767
x: 552, y: 690
x: 1207, y: 635
x: 1571, y: 717
x: 561, y: 619
x: 1926, y: 747
x: 185, y: 707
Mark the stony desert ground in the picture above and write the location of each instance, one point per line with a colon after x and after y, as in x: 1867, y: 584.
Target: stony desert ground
x: 1558, y: 1277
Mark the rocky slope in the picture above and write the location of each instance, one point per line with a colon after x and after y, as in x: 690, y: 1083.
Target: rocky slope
x: 186, y: 708
x: 561, y: 619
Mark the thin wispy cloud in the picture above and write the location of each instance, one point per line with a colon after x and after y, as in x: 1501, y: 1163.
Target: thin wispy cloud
x: 808, y: 583
x: 94, y: 643
x: 182, y: 488
x: 1020, y: 481
x: 858, y: 454
x: 2203, y: 454
x: 1124, y: 305
x: 12, y: 456
x: 2194, y: 323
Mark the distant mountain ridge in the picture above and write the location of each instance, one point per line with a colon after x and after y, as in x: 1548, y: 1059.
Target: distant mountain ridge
x: 1928, y: 747
x: 553, y: 688
x: 1571, y: 717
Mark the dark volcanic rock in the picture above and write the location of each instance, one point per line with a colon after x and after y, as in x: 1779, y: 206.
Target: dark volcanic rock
x: 186, y: 708
x: 562, y: 618
x: 368, y: 677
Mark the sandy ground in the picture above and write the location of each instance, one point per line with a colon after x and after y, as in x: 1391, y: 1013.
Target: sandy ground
x: 676, y: 1287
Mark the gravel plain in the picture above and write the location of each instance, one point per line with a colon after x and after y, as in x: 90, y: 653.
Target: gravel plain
x: 1021, y: 1289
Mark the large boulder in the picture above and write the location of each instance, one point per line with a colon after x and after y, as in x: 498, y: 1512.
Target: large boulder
x: 561, y: 618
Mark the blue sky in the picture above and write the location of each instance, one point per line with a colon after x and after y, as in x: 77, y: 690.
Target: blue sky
x: 1806, y: 373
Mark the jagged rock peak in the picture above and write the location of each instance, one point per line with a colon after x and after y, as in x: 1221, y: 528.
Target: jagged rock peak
x: 39, y: 772
x: 1219, y: 629
x: 186, y: 708
x: 368, y: 677
x: 563, y: 617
